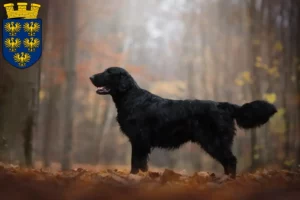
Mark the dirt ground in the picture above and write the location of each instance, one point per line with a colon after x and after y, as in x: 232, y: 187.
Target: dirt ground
x: 81, y: 184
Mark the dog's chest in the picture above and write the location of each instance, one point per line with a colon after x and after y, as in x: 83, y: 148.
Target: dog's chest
x: 123, y: 119
x: 128, y: 123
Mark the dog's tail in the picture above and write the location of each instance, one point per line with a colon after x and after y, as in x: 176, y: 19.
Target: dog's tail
x: 251, y: 115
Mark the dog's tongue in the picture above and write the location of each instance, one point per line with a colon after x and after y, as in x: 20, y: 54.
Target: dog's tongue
x: 101, y: 89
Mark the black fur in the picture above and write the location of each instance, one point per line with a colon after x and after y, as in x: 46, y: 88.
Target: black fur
x: 151, y: 121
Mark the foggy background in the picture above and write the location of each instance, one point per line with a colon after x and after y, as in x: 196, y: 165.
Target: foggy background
x: 222, y: 50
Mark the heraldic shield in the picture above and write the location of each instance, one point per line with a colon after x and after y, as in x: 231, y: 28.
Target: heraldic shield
x: 22, y: 41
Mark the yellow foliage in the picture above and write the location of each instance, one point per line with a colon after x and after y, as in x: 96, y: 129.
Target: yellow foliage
x: 270, y: 97
x: 280, y: 112
x: 256, y: 156
x: 239, y: 82
x: 272, y: 71
x: 278, y: 46
x: 243, y: 78
x: 247, y: 77
x: 277, y: 123
x: 42, y: 95
x: 257, y: 147
x: 289, y: 162
x: 265, y: 66
x: 258, y: 59
x: 258, y: 64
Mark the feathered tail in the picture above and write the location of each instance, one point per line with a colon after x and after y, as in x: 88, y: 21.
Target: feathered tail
x: 251, y: 115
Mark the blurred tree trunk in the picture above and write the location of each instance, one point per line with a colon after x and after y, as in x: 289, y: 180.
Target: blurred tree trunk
x: 294, y: 41
x: 31, y: 123
x: 100, y: 128
x: 19, y: 101
x: 254, y: 45
x: 269, y: 39
x: 48, y: 124
x: 204, y: 65
x: 291, y: 41
x: 297, y: 56
x: 106, y: 124
x: 70, y: 66
x: 53, y: 88
x: 286, y: 79
x: 292, y: 46
x: 8, y: 81
x: 96, y: 117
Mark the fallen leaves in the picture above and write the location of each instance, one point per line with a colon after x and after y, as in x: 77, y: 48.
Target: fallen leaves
x: 170, y: 176
x: 116, y: 184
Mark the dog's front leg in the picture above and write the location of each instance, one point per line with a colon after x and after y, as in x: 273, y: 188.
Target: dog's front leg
x: 139, y: 158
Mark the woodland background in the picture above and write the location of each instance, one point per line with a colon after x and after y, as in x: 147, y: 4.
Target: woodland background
x: 224, y: 50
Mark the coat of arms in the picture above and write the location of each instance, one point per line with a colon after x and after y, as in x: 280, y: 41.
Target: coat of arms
x: 22, y: 35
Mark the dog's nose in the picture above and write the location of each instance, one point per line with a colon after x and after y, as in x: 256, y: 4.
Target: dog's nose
x: 92, y: 77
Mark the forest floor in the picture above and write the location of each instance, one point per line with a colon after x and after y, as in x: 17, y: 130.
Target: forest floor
x: 81, y: 184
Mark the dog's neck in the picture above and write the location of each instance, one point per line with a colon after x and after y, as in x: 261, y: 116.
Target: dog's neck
x: 125, y: 97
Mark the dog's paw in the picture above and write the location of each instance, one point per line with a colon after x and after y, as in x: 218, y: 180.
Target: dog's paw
x: 134, y: 171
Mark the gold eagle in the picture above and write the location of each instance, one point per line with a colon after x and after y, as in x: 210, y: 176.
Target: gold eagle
x: 12, y: 28
x: 22, y: 58
x: 31, y: 43
x: 12, y: 44
x: 31, y: 28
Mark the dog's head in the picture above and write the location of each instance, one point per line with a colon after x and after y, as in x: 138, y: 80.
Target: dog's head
x: 113, y: 80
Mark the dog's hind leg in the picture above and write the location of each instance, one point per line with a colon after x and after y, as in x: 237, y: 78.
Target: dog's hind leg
x: 228, y: 161
x: 225, y: 156
x: 220, y: 150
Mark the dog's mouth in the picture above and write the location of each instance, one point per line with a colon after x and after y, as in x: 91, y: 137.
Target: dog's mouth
x: 102, y: 90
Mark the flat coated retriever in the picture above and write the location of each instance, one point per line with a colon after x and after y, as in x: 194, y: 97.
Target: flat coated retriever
x: 151, y: 121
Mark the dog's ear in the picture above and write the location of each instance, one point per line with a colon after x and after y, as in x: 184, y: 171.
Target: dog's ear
x: 124, y: 83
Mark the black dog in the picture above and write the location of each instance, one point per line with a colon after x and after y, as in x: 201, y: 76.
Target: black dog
x: 151, y: 121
